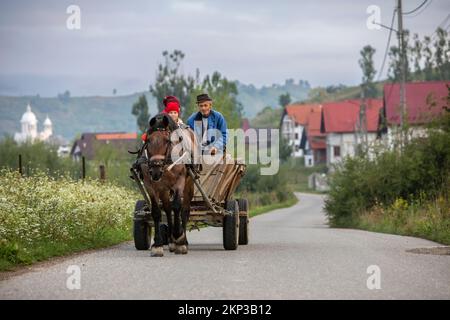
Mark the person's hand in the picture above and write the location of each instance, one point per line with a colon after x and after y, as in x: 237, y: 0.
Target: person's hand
x: 213, y: 151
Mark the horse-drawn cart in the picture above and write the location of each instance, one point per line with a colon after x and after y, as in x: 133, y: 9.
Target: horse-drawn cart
x: 213, y: 205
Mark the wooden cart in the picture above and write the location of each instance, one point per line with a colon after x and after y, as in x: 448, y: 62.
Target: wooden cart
x: 213, y: 204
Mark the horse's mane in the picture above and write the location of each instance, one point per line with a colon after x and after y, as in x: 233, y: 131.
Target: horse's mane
x: 162, y: 121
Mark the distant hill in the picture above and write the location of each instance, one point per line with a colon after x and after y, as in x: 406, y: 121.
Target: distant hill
x: 270, y: 117
x: 74, y: 115
x: 339, y: 93
x: 267, y: 118
x: 256, y: 99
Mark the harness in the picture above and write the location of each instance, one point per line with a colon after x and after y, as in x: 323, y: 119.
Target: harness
x: 157, y: 160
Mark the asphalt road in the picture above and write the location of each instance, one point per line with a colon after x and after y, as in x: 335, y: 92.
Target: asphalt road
x: 292, y: 255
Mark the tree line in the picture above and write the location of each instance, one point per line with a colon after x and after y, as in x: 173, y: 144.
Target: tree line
x: 427, y: 59
x: 170, y: 80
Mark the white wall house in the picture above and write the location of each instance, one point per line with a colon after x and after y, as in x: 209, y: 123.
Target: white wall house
x: 419, y: 110
x: 340, y: 124
x: 293, y: 122
x: 341, y: 145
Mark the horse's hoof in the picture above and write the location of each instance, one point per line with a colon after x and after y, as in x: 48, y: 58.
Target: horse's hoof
x: 172, y: 247
x: 157, y: 252
x: 181, y: 249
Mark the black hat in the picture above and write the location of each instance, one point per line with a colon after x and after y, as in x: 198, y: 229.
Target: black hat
x: 203, y: 97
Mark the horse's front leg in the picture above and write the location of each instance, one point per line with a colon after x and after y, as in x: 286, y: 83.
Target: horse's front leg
x: 157, y: 247
x: 168, y: 210
x: 179, y: 230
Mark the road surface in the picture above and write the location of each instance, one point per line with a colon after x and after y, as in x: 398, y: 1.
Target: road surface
x: 292, y: 255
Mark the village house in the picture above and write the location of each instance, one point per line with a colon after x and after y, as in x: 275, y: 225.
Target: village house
x: 89, y: 143
x: 424, y: 102
x: 345, y: 128
x: 294, y: 120
x: 313, y: 141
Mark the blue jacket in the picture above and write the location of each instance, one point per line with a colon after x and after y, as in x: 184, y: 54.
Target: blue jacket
x: 216, y: 121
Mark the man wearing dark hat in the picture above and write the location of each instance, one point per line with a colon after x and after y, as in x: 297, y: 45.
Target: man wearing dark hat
x: 209, y: 126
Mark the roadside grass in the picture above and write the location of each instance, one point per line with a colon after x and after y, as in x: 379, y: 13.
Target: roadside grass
x: 430, y: 220
x: 21, y: 254
x: 401, y: 191
x: 263, y: 209
x: 43, y: 217
x: 297, y: 179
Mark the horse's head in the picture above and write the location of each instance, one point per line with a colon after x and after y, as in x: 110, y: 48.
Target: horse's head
x: 158, y: 147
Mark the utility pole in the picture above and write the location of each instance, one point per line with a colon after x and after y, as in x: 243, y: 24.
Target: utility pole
x: 401, y: 45
x: 363, y: 120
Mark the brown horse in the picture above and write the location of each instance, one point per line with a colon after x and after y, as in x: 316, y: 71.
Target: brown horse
x: 164, y: 180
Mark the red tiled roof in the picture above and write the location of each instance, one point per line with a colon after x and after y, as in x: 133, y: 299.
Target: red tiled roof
x: 419, y: 95
x: 301, y: 112
x: 116, y: 136
x: 313, y: 126
x: 315, y: 137
x: 343, y: 116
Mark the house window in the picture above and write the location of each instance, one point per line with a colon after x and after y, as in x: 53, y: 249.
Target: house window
x: 296, y: 136
x: 337, y: 151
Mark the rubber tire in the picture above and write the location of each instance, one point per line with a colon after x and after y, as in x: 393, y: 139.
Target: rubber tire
x: 142, y: 231
x: 231, y: 226
x: 243, y: 222
x: 164, y: 229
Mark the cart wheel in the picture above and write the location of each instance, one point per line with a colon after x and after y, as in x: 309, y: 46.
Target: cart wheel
x: 164, y: 229
x: 243, y: 222
x: 142, y: 231
x: 231, y: 226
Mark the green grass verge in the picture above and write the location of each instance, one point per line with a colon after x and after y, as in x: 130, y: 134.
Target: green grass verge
x: 263, y: 209
x: 19, y: 254
x: 430, y: 220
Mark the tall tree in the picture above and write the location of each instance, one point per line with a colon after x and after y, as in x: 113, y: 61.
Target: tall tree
x: 395, y: 68
x: 442, y: 55
x: 284, y: 99
x: 416, y: 57
x: 171, y: 81
x: 140, y: 110
x: 368, y: 70
x: 224, y: 94
x: 428, y: 57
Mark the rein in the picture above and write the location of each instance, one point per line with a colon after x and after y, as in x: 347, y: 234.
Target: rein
x: 159, y: 160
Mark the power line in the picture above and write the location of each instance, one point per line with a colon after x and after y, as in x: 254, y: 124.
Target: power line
x: 441, y: 25
x: 420, y: 11
x: 412, y: 11
x: 387, y: 46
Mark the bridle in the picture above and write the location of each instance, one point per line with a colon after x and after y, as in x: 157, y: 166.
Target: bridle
x: 159, y: 161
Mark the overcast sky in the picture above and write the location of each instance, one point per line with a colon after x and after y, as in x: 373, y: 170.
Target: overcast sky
x: 119, y: 44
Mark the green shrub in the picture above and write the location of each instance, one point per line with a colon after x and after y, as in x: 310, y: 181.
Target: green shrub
x: 40, y: 211
x: 420, y: 172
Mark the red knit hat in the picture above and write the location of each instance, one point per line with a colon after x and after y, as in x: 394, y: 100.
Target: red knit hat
x: 172, y: 106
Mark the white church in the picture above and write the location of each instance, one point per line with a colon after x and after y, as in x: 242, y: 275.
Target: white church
x: 29, y: 128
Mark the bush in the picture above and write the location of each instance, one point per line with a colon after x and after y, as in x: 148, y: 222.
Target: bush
x: 35, y: 156
x: 420, y: 171
x: 39, y: 211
